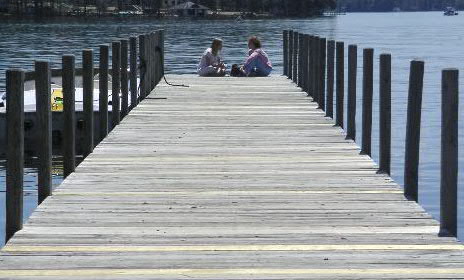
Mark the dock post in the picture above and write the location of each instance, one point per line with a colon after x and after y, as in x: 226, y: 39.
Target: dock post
x: 161, y: 44
x: 116, y: 73
x: 133, y: 71
x: 313, y: 68
x: 290, y: 54
x: 15, y: 152
x: 449, y: 153
x: 285, y: 48
x: 69, y: 127
x: 157, y: 55
x: 151, y: 56
x: 385, y: 114
x: 124, y: 78
x: 300, y: 59
x: 143, y: 66
x: 351, y: 106
x: 87, y: 78
x: 306, y: 66
x: 368, y: 89
x: 311, y: 65
x: 413, y: 129
x: 330, y: 78
x: 340, y: 83
x: 322, y: 72
x: 103, y: 90
x: 316, y: 68
x: 295, y: 56
x: 44, y: 122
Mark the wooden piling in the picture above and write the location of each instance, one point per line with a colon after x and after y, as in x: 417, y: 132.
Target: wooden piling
x: 330, y: 78
x: 413, y: 129
x: 385, y: 114
x: 44, y: 123
x: 157, y: 55
x: 340, y: 83
x: 449, y: 153
x: 143, y: 66
x: 124, y: 78
x: 15, y: 151
x: 351, y: 106
x: 133, y: 71
x: 311, y: 66
x: 316, y: 66
x: 87, y: 77
x: 295, y: 56
x: 116, y: 73
x: 368, y: 89
x: 103, y: 90
x: 291, y: 50
x: 69, y: 122
x: 306, y: 66
x: 300, y: 59
x: 322, y: 71
x: 285, y: 48
x: 161, y: 45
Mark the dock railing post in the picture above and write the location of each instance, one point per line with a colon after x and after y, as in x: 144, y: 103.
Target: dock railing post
x: 300, y: 59
x: 87, y: 78
x: 69, y: 127
x: 316, y: 69
x: 103, y: 90
x: 143, y: 66
x: 314, y: 66
x: 133, y: 71
x: 322, y: 71
x: 285, y: 50
x: 351, y: 106
x: 290, y: 54
x: 385, y: 114
x: 330, y: 78
x: 306, y: 67
x: 368, y: 89
x: 340, y: 83
x: 449, y: 153
x: 15, y: 151
x: 161, y: 44
x: 152, y: 61
x: 116, y: 73
x: 124, y: 78
x: 295, y: 56
x: 44, y: 122
x: 157, y: 55
x: 311, y: 66
x: 413, y: 129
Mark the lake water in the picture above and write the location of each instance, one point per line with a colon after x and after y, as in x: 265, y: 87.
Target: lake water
x: 429, y: 36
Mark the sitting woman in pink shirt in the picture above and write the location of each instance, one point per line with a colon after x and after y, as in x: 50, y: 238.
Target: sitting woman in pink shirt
x: 257, y: 63
x: 211, y: 64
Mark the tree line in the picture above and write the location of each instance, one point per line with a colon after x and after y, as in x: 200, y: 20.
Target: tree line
x: 291, y: 8
x: 403, y: 5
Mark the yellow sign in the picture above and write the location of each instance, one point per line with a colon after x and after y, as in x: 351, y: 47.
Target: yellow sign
x: 57, y: 100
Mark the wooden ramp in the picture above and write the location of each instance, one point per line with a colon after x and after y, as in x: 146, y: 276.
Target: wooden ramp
x: 231, y: 178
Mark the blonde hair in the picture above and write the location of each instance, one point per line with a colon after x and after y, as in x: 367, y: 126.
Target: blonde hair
x: 215, y: 45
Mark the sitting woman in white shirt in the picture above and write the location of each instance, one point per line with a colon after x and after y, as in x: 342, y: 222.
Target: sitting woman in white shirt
x: 210, y: 63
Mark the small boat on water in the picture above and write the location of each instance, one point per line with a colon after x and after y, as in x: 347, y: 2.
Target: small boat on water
x: 450, y: 11
x: 31, y: 130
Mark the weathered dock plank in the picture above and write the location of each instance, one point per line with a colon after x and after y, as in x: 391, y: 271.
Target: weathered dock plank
x: 231, y: 178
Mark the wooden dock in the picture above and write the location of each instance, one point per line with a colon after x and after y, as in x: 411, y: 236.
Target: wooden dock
x: 231, y: 178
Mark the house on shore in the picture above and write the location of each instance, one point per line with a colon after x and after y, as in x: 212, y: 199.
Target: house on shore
x: 189, y: 9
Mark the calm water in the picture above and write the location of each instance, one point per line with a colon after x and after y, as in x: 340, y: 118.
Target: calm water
x: 428, y: 36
